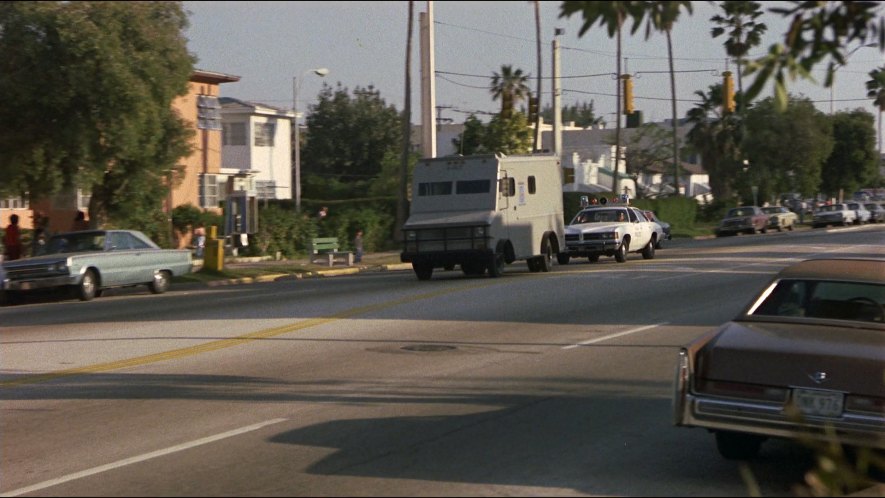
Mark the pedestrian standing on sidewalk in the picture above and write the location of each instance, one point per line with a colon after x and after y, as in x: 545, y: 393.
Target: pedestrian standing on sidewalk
x: 80, y: 222
x: 41, y: 233
x: 200, y: 239
x: 358, y: 246
x: 12, y: 239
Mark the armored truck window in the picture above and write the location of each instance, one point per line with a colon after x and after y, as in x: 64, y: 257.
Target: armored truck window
x: 533, y: 187
x: 435, y: 188
x: 507, y: 187
x: 473, y: 187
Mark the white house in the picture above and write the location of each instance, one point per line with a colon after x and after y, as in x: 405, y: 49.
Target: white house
x: 257, y: 142
x: 588, y: 161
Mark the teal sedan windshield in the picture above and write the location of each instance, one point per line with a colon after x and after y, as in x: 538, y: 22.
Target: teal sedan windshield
x: 75, y: 242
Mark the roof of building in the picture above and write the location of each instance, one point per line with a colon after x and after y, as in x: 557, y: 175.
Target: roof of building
x: 203, y: 76
x: 230, y: 102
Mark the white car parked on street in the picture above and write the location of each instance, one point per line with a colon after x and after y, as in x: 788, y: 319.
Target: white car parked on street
x: 863, y: 214
x: 833, y: 214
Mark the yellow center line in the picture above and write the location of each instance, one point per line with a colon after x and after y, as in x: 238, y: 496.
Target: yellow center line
x: 233, y: 341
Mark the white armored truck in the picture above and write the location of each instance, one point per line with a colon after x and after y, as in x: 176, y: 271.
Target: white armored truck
x: 480, y: 212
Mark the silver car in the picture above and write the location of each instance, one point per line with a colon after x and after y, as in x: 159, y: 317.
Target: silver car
x: 863, y: 214
x: 877, y: 212
x: 87, y: 262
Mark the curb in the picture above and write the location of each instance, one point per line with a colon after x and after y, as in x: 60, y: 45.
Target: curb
x: 273, y: 277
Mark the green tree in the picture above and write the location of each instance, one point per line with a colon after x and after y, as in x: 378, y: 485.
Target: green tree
x: 508, y: 135
x: 818, y: 31
x: 472, y: 137
x: 500, y: 136
x: 647, y: 148
x: 717, y: 139
x: 510, y: 87
x: 854, y: 161
x: 876, y: 87
x: 88, y: 89
x: 583, y: 115
x: 661, y: 17
x: 743, y: 32
x: 785, y: 150
x: 348, y: 139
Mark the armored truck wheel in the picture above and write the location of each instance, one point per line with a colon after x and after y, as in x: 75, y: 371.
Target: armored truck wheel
x: 423, y: 269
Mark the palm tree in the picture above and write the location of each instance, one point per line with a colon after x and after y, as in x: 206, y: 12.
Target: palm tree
x: 539, y: 92
x: 876, y: 91
x: 611, y: 15
x: 744, y: 33
x: 407, y: 113
x: 662, y: 16
x: 510, y: 86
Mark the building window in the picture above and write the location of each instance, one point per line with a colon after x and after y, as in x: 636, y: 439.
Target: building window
x: 208, y: 191
x: 13, y: 203
x: 208, y: 113
x: 264, y: 133
x: 233, y: 134
x: 266, y: 189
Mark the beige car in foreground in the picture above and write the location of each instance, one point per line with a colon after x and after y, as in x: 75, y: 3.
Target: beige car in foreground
x: 805, y: 359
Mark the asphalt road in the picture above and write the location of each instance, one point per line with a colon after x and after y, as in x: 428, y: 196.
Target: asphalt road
x: 379, y: 384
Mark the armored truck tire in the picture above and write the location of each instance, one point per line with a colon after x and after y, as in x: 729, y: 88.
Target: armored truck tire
x: 423, y: 269
x: 496, y: 265
x: 545, y: 261
x: 532, y: 263
x: 473, y: 268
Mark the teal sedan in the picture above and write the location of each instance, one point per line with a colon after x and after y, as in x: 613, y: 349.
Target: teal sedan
x: 89, y: 261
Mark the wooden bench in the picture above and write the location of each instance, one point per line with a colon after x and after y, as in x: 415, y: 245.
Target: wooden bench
x: 325, y: 250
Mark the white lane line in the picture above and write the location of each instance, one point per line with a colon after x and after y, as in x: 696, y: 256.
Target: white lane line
x: 612, y: 336
x: 140, y: 458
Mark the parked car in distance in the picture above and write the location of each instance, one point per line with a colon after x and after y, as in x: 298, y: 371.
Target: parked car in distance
x: 610, y: 230
x: 833, y: 214
x: 743, y: 219
x: 877, y: 212
x: 802, y: 360
x: 780, y: 218
x: 665, y: 227
x: 87, y: 262
x: 863, y: 214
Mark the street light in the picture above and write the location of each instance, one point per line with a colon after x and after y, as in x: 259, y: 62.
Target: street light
x: 833, y: 83
x: 295, y: 86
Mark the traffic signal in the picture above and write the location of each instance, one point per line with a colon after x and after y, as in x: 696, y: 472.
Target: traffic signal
x: 628, y: 94
x: 727, y: 93
x: 533, y: 109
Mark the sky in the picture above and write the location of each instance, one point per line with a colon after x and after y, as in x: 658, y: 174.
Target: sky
x: 363, y: 44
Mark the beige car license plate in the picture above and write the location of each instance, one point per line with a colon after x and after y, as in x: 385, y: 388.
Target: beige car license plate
x: 817, y: 402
